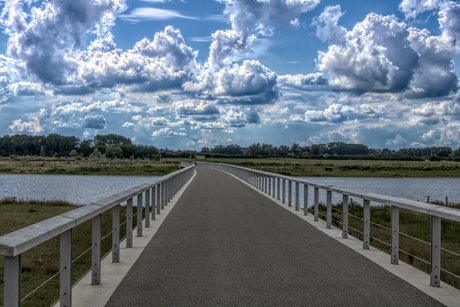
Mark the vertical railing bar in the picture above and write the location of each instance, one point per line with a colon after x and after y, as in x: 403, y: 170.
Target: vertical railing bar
x: 139, y: 215
x: 147, y: 208
x: 270, y: 185
x: 297, y: 196
x: 328, y: 209
x: 366, y: 223
x: 154, y: 207
x: 12, y: 281
x: 289, y: 193
x: 116, y: 234
x: 65, y: 275
x: 157, y: 201
x: 129, y: 223
x: 435, y: 272
x: 163, y: 191
x: 284, y: 190
x: 344, y: 216
x: 278, y: 188
x: 316, y: 203
x: 96, y: 251
x: 305, y: 199
x: 394, y: 235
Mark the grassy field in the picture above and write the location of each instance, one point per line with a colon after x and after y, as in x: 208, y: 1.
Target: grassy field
x: 37, y: 165
x: 347, y: 168
x: 42, y: 262
x: 284, y: 166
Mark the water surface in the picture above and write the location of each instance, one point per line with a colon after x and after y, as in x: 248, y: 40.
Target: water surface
x: 76, y: 189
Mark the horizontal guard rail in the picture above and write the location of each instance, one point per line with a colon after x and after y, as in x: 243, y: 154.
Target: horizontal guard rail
x: 430, y: 209
x: 266, y: 182
x: 12, y: 245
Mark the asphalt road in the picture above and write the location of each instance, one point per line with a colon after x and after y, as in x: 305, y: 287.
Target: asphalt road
x: 225, y: 244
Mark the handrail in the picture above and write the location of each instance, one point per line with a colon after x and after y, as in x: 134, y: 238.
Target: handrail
x: 266, y: 182
x: 152, y: 196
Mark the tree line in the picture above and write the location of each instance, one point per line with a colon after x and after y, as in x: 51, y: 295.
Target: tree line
x: 333, y: 150
x: 118, y: 146
x: 108, y: 146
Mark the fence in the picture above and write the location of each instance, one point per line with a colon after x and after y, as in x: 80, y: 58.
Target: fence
x: 151, y: 196
x: 275, y: 186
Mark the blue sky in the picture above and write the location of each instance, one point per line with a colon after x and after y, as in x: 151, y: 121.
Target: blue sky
x: 187, y: 74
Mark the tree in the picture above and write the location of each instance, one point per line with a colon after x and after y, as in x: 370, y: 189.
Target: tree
x: 95, y: 155
x: 296, y: 150
x: 111, y: 140
x: 42, y: 151
x: 73, y: 153
x: 113, y: 152
x: 85, y: 148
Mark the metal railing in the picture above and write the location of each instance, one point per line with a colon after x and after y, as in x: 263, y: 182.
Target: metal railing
x: 275, y: 186
x: 151, y: 197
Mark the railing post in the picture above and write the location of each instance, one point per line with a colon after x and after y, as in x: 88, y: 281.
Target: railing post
x: 65, y: 278
x: 435, y: 275
x: 129, y: 223
x: 163, y: 195
x: 289, y: 193
x: 284, y: 190
x: 328, y: 209
x: 316, y: 203
x: 344, y: 216
x: 366, y: 223
x: 159, y: 192
x: 116, y: 234
x: 278, y: 187
x: 394, y: 235
x: 305, y: 199
x: 96, y: 251
x: 297, y: 196
x: 147, y: 208
x: 269, y: 185
x: 12, y: 281
x: 139, y: 215
x: 154, y: 207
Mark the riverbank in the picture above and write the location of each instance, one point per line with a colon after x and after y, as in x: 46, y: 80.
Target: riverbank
x: 348, y: 168
x: 283, y: 166
x: 76, y: 166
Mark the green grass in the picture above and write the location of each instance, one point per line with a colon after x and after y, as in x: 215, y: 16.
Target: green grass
x: 412, y: 224
x: 71, y: 166
x: 42, y: 261
x: 347, y: 168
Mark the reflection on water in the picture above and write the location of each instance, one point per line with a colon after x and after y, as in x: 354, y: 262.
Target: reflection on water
x: 76, y: 189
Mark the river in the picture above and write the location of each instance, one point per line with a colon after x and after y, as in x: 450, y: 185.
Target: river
x: 80, y: 190
x: 76, y: 189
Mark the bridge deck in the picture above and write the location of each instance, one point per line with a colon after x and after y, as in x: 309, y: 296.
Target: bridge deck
x: 225, y: 244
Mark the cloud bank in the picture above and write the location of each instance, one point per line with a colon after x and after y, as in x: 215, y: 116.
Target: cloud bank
x: 382, y: 81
